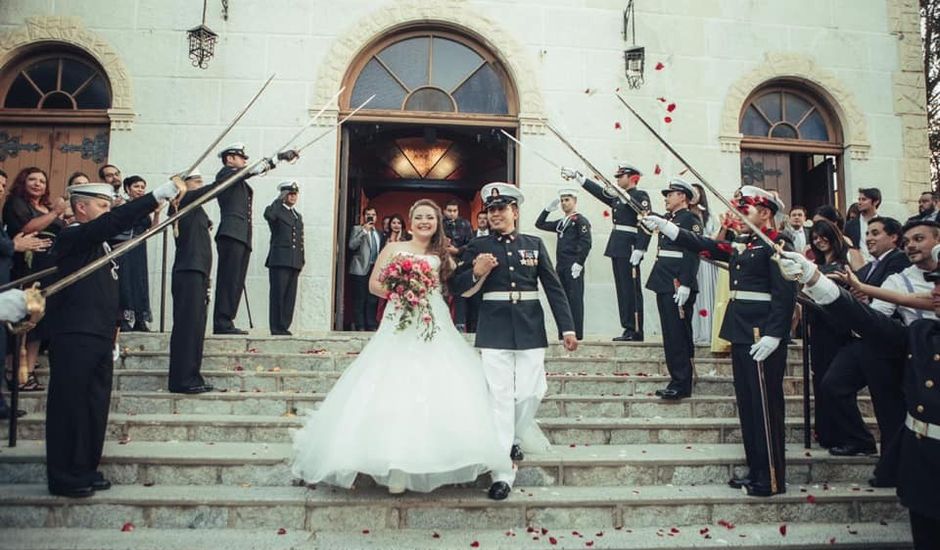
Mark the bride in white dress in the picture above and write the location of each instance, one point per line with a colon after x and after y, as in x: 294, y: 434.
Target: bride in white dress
x: 411, y: 413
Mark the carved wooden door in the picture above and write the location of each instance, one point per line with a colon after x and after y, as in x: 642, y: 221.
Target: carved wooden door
x: 767, y: 170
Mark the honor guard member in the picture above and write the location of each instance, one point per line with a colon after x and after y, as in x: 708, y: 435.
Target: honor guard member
x: 192, y: 266
x: 757, y: 323
x: 626, y: 245
x: 285, y: 257
x: 507, y: 268
x: 917, y: 348
x: 571, y: 250
x: 83, y: 323
x: 674, y: 279
x: 233, y: 238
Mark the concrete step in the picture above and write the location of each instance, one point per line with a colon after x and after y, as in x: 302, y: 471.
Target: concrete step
x: 800, y: 536
x: 580, y: 465
x: 337, y: 362
x: 276, y: 379
x: 299, y: 508
x: 562, y: 431
x: 553, y: 406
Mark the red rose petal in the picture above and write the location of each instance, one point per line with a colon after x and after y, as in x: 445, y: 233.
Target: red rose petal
x: 673, y: 530
x: 661, y: 99
x: 671, y: 107
x: 703, y: 312
x: 530, y: 529
x: 783, y: 530
x: 617, y: 126
x: 127, y: 527
x: 657, y: 170
x: 660, y: 66
x: 435, y: 535
x: 606, y: 213
x: 832, y: 540
x: 667, y: 119
x: 544, y: 531
x: 474, y: 544
x: 552, y: 540
x: 282, y: 531
x: 599, y: 534
x: 811, y: 499
x: 589, y: 543
x: 365, y: 531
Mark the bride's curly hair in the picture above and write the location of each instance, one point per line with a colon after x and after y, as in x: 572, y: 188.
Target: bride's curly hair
x: 437, y: 245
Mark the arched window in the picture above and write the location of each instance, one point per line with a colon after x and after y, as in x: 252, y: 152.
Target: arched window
x: 56, y: 81
x: 431, y: 72
x: 783, y: 113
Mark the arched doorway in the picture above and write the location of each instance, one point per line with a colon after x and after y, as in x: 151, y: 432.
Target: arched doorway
x: 432, y: 130
x: 792, y: 143
x: 54, y: 102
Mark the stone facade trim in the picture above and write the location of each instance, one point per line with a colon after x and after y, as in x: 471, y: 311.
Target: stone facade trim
x: 72, y: 31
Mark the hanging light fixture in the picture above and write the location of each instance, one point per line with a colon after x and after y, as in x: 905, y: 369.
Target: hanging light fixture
x: 201, y: 42
x: 634, y: 56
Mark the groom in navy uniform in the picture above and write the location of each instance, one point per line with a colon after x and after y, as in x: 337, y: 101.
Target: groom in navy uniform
x: 506, y: 267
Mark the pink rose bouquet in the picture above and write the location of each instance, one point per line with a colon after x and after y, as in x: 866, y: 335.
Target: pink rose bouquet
x: 408, y: 281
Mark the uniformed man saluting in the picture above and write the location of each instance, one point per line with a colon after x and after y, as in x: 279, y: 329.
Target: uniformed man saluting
x: 507, y: 268
x: 757, y: 322
x: 285, y: 257
x: 83, y: 322
x: 626, y: 246
x: 571, y: 250
x: 674, y: 279
x: 233, y: 238
x: 918, y: 347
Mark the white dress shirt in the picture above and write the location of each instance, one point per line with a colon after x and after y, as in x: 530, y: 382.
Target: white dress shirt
x: 896, y: 282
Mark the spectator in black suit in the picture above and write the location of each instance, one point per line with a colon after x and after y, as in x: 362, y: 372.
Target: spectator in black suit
x: 869, y: 199
x: 460, y: 232
x: 796, y: 229
x: 926, y: 207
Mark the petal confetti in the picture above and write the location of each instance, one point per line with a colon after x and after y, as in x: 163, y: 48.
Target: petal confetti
x: 667, y: 119
x: 660, y: 66
x: 671, y: 107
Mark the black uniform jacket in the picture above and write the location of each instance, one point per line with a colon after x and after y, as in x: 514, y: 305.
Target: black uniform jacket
x: 574, y: 238
x: 523, y: 263
x: 287, y: 236
x: 667, y: 269
x: 917, y: 348
x: 91, y: 306
x: 235, y: 207
x: 895, y: 262
x: 751, y: 268
x: 621, y: 243
x: 193, y: 244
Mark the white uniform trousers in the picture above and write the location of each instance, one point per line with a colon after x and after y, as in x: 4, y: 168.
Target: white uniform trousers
x: 516, y: 379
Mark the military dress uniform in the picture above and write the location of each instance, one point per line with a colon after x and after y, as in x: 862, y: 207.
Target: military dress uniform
x: 511, y: 332
x: 285, y: 260
x: 625, y: 237
x: 573, y: 246
x: 83, y: 321
x: 676, y: 266
x: 192, y: 267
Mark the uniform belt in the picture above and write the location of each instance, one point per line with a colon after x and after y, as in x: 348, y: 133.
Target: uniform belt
x: 627, y: 228
x: 511, y: 296
x: 921, y: 428
x: 750, y: 296
x: 669, y: 254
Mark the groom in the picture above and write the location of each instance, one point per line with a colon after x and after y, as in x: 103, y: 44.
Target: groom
x: 506, y: 267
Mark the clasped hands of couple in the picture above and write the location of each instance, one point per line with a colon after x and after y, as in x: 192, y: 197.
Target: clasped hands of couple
x: 484, y: 263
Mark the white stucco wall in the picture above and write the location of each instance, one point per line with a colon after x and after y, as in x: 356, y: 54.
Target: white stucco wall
x: 565, y: 46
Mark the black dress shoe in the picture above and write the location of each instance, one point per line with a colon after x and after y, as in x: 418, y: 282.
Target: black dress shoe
x: 738, y: 482
x: 281, y: 333
x: 879, y: 483
x: 499, y: 490
x: 852, y: 450
x: 629, y: 336
x: 674, y: 395
x: 659, y: 393
x: 516, y: 453
x: 760, y: 491
x: 5, y: 413
x: 192, y: 390
x: 232, y: 330
x: 101, y: 484
x: 80, y: 492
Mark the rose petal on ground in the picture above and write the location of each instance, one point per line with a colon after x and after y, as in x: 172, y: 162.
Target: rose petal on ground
x: 127, y: 527
x: 811, y: 499
x: 474, y: 544
x: 783, y: 530
x: 281, y: 531
x: 552, y: 540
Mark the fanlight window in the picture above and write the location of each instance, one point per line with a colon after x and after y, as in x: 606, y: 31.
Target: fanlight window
x: 58, y: 83
x: 783, y: 114
x: 431, y: 73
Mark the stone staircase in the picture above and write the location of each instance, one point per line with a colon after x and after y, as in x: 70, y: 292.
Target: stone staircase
x: 626, y: 470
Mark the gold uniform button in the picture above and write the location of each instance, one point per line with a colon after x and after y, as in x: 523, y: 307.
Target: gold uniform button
x: 929, y: 383
x: 736, y: 282
x: 920, y: 408
x: 909, y: 356
x: 512, y: 285
x: 738, y: 266
x: 509, y: 253
x: 511, y: 268
x: 936, y: 357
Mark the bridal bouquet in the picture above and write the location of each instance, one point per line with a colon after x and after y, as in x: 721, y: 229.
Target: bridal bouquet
x: 408, y: 282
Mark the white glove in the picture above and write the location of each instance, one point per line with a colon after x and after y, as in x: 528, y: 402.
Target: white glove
x: 570, y: 174
x: 13, y: 305
x: 553, y: 205
x: 576, y: 270
x: 764, y: 347
x: 664, y: 226
x: 797, y: 266
x: 682, y: 295
x: 165, y: 191
x: 636, y: 256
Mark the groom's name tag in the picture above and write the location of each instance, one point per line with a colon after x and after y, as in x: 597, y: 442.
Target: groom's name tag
x: 529, y: 258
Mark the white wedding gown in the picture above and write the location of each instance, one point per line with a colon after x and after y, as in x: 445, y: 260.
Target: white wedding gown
x: 411, y: 413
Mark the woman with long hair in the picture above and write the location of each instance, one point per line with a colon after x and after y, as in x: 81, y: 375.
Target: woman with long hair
x: 704, y: 308
x: 396, y: 229
x: 134, y: 279
x: 826, y: 334
x: 31, y: 210
x: 412, y: 411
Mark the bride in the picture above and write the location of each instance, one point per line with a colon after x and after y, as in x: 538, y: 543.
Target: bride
x: 412, y: 413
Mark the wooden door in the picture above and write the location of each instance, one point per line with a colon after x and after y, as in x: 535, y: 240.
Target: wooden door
x: 767, y: 170
x: 59, y: 149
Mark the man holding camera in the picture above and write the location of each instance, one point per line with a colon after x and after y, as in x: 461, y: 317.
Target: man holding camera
x: 365, y: 241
